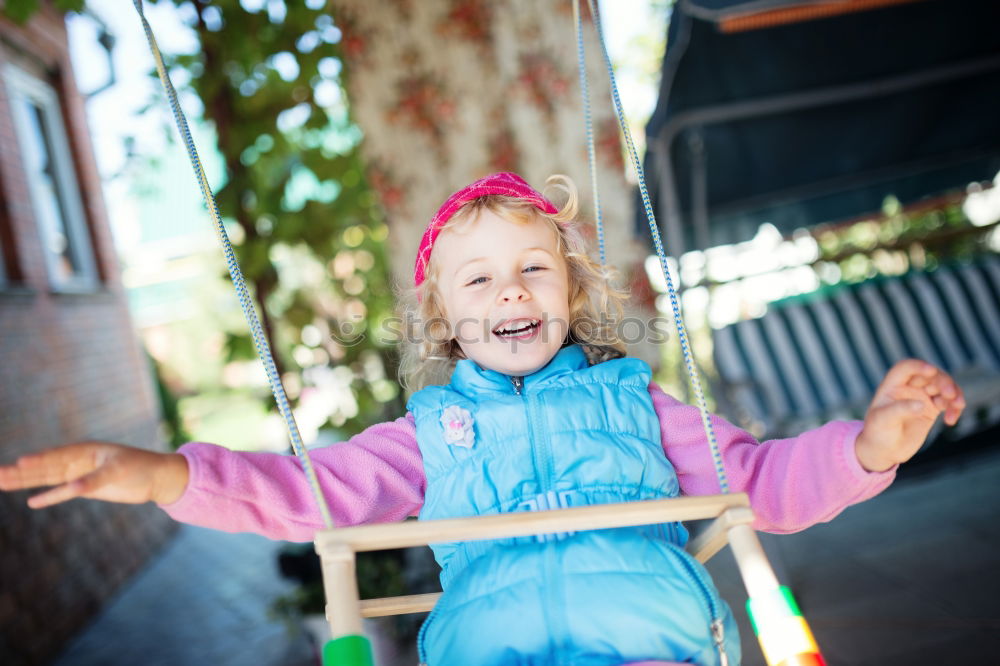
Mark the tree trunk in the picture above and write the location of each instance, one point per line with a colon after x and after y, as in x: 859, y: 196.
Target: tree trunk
x: 447, y: 91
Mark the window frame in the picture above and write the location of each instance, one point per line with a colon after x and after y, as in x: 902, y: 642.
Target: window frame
x: 5, y: 278
x: 23, y: 85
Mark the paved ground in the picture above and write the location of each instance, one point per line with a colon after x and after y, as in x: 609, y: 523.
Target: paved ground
x: 907, y: 578
x: 203, y: 600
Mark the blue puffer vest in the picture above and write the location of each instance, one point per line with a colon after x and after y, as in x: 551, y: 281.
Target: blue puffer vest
x: 568, y: 435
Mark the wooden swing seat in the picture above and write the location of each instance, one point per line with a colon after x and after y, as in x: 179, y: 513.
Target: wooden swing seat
x: 337, y: 547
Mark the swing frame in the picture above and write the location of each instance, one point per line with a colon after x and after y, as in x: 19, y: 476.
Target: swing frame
x: 730, y: 513
x: 337, y: 548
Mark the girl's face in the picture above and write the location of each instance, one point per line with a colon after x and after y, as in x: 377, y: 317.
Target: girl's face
x: 505, y: 290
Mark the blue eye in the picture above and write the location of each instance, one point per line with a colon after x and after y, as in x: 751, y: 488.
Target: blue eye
x: 534, y: 268
x: 478, y: 280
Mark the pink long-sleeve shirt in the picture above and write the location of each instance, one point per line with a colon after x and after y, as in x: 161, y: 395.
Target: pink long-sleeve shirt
x: 378, y: 476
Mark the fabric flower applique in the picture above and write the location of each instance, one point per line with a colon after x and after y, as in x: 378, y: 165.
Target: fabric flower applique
x: 457, y: 424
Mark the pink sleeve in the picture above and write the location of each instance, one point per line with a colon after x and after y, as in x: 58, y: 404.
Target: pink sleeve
x: 792, y: 483
x: 375, y: 476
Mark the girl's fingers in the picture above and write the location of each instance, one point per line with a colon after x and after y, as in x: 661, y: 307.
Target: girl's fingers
x: 954, y: 408
x: 943, y: 385
x: 11, y: 478
x: 929, y: 383
x: 947, y: 397
x: 950, y: 388
x: 908, y: 402
x: 23, y: 475
x: 936, y: 382
x: 909, y: 370
x: 909, y: 393
x: 951, y: 407
x: 951, y: 416
x: 66, y: 491
x: 80, y: 487
x: 48, y: 468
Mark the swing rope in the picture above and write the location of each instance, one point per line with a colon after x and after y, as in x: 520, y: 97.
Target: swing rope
x: 256, y: 331
x: 654, y: 231
x: 588, y: 124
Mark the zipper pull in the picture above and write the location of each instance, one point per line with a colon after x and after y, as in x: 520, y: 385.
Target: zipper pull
x: 719, y: 636
x: 518, y: 383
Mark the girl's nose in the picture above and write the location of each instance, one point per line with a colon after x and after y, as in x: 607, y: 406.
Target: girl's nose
x: 513, y: 292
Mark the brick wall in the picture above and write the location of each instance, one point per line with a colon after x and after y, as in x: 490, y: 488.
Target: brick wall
x: 71, y: 368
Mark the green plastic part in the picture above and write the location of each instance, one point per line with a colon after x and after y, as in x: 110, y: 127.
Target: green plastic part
x: 779, y: 602
x: 350, y: 650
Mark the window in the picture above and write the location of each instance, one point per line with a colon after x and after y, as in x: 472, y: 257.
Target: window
x: 4, y: 279
x: 10, y: 275
x: 55, y: 197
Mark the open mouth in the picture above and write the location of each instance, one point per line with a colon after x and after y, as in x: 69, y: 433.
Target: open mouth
x: 520, y: 328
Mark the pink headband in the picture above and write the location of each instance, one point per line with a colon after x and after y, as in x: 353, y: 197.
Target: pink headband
x: 506, y: 184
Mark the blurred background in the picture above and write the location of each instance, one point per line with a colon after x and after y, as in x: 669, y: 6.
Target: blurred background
x: 823, y: 174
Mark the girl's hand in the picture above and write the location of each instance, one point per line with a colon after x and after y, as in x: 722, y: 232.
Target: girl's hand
x: 904, y: 408
x: 98, y: 470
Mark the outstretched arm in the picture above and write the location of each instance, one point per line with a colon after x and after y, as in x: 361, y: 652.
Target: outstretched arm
x: 376, y: 476
x: 792, y: 483
x: 797, y: 482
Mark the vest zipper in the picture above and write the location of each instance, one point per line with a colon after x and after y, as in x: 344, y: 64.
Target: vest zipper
x: 542, y: 456
x: 717, y: 625
x: 540, y: 452
x: 422, y: 637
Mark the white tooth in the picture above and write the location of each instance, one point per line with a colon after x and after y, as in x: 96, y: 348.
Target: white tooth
x: 517, y: 326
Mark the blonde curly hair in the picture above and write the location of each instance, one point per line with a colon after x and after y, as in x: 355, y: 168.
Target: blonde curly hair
x: 594, y: 303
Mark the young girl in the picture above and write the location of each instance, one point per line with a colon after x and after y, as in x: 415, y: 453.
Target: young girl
x: 541, y: 411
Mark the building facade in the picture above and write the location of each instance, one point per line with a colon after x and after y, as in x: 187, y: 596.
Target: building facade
x: 71, y: 366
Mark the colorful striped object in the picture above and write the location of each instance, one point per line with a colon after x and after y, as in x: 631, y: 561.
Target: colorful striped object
x: 350, y: 650
x: 784, y: 636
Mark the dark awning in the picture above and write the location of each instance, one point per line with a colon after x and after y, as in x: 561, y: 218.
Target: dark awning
x: 798, y: 112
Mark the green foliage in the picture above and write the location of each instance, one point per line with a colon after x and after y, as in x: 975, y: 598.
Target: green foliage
x: 20, y: 11
x: 172, y: 424
x: 899, y: 240
x: 295, y: 187
x: 310, y: 235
